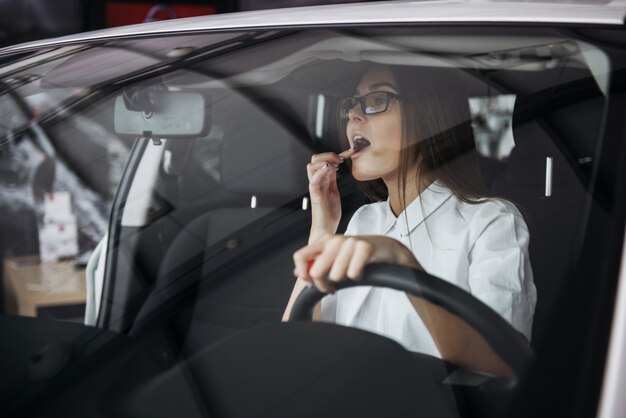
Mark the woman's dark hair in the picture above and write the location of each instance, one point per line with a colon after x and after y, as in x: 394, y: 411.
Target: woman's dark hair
x: 436, y: 131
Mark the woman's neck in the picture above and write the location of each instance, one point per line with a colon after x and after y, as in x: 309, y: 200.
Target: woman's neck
x: 412, y: 189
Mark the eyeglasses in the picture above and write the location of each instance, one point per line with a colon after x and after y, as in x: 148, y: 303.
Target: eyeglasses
x: 371, y: 103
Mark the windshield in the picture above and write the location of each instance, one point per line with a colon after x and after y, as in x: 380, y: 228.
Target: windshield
x: 159, y: 188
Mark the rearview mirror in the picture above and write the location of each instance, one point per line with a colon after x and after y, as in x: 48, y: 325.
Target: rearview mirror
x: 173, y: 114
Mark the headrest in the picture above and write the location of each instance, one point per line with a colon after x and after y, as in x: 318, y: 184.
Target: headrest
x: 264, y: 150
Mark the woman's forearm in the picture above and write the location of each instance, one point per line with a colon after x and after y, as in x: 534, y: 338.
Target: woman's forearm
x: 318, y: 231
x: 458, y: 342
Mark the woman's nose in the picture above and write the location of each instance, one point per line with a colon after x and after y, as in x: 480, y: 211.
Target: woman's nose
x: 355, y: 114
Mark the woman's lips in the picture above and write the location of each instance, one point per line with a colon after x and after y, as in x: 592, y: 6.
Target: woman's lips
x: 360, y: 143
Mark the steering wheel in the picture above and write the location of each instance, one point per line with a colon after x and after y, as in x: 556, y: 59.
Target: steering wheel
x: 507, y: 342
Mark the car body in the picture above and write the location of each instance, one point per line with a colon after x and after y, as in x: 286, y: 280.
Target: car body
x: 183, y: 146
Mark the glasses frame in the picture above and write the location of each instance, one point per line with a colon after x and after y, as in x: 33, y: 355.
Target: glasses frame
x: 344, y: 110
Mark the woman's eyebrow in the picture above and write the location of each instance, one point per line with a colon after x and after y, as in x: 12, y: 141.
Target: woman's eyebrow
x: 374, y: 86
x: 382, y: 84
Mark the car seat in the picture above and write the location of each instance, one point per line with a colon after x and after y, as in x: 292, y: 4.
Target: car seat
x: 230, y: 267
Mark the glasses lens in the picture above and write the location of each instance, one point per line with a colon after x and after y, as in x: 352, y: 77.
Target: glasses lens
x: 345, y: 106
x: 375, y: 102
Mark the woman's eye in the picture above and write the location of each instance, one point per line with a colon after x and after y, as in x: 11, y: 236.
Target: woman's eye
x: 380, y: 101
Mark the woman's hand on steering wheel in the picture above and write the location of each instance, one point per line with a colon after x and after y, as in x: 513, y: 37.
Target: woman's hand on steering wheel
x: 333, y: 258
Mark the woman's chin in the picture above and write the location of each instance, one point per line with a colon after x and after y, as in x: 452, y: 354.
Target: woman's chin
x: 363, y: 176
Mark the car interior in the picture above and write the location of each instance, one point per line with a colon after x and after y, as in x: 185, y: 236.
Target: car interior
x: 204, y: 224
x: 224, y: 260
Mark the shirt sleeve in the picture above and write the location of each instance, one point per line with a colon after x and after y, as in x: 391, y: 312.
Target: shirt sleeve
x: 500, y: 274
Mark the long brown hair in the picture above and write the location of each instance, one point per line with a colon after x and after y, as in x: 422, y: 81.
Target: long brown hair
x: 436, y: 132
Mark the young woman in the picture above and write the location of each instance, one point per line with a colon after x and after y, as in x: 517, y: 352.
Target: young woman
x: 413, y: 152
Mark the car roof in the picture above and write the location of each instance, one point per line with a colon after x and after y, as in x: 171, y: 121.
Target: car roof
x: 602, y: 12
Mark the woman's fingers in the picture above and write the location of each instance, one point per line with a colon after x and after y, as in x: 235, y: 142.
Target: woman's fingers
x: 324, y: 262
x: 335, y: 258
x: 319, y: 171
x: 339, y: 268
x: 327, y: 157
x: 325, y: 162
x: 346, y: 154
x: 322, y: 180
x: 302, y: 258
x: 313, y: 167
x: 362, y: 255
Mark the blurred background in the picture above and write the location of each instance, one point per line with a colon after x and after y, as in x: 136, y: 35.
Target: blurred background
x: 29, y: 20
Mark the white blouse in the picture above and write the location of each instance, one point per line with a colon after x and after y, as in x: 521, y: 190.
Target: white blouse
x: 482, y: 248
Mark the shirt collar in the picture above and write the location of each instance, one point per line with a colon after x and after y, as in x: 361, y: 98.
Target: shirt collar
x: 418, y: 210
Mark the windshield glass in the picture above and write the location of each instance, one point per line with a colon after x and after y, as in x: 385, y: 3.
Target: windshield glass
x: 183, y: 190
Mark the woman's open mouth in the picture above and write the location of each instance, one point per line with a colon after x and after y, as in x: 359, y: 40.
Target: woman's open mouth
x: 360, y: 143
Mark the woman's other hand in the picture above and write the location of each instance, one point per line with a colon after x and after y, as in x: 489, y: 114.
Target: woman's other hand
x: 325, y: 199
x: 339, y: 257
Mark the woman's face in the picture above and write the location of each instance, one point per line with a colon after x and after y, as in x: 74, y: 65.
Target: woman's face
x: 383, y: 131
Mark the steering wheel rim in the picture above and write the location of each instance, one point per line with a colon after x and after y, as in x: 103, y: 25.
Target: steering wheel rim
x: 507, y: 342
